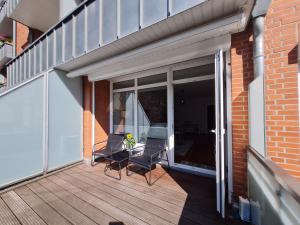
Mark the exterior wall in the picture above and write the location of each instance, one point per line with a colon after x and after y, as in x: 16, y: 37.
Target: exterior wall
x: 242, y: 75
x: 25, y: 36
x: 87, y: 119
x: 102, y: 98
x: 282, y: 26
x: 22, y: 37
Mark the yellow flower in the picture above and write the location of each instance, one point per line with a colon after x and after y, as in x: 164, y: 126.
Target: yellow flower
x: 129, y: 136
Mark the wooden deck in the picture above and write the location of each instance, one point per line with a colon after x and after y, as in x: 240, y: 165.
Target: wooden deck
x: 84, y: 195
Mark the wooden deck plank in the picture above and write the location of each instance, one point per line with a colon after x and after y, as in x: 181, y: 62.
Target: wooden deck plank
x: 163, y: 182
x: 48, y: 214
x: 102, y: 205
x: 196, y: 217
x: 6, y: 215
x: 174, y: 199
x: 144, y: 205
x: 21, y: 210
x: 84, y: 195
x: 199, y: 203
x: 139, y: 185
x: 74, y: 216
x: 90, y: 211
x: 131, y: 209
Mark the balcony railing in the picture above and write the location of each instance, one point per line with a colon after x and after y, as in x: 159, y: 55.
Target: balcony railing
x: 6, y: 54
x: 96, y: 24
x: 92, y: 25
x: 11, y: 5
x: 3, y: 10
x: 274, y: 194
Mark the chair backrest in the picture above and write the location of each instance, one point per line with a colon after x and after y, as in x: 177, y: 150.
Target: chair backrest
x: 115, y: 143
x: 154, y: 145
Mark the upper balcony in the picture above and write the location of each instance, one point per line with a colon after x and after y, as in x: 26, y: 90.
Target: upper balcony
x: 6, y: 54
x: 97, y: 30
x: 6, y: 24
x: 40, y: 15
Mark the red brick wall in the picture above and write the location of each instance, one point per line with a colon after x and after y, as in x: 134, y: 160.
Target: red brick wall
x: 242, y: 75
x: 281, y: 84
x: 87, y: 119
x: 23, y: 38
x: 101, y: 110
x: 101, y: 114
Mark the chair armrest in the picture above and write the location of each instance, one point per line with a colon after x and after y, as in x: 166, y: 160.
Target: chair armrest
x: 143, y: 145
x: 156, y: 153
x: 100, y: 142
x: 135, y: 148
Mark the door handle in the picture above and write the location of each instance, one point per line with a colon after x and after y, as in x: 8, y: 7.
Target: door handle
x: 213, y: 131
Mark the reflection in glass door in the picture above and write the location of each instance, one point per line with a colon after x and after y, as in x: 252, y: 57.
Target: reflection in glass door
x: 152, y: 113
x: 123, y: 112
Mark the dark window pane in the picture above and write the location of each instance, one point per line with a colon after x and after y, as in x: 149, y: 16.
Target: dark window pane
x: 123, y: 84
x: 153, y: 79
x: 198, y: 71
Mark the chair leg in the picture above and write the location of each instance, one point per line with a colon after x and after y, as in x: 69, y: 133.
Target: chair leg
x: 127, y: 170
x: 120, y: 171
x: 168, y: 160
x: 106, y: 167
x: 92, y: 161
x: 149, y: 181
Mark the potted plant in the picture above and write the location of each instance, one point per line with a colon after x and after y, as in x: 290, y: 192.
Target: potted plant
x: 129, y: 141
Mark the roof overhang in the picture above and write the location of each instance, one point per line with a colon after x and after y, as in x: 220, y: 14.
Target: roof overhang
x: 187, y: 33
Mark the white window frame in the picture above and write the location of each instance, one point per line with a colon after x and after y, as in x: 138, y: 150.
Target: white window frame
x: 170, y: 101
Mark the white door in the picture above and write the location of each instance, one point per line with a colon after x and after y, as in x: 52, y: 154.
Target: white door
x: 220, y: 133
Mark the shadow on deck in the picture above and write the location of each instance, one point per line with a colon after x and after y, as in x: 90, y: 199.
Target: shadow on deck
x: 84, y: 195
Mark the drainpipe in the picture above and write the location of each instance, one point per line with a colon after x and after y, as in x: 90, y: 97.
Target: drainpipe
x: 257, y: 131
x: 258, y: 46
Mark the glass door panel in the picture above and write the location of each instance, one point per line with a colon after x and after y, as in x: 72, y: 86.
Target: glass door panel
x: 194, y: 118
x: 152, y: 113
x: 123, y: 112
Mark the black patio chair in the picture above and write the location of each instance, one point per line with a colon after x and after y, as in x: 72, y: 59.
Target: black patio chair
x: 114, y: 144
x: 152, y: 154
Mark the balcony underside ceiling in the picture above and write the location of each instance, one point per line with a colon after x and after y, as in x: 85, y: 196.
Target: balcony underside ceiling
x: 235, y: 13
x: 6, y: 27
x: 41, y: 14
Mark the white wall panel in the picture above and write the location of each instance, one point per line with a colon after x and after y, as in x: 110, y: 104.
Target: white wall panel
x: 58, y: 45
x: 109, y: 21
x: 93, y: 25
x: 177, y: 6
x: 153, y: 11
x: 21, y: 132
x: 68, y: 39
x: 129, y: 16
x: 65, y: 120
x: 80, y: 33
x: 256, y: 115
